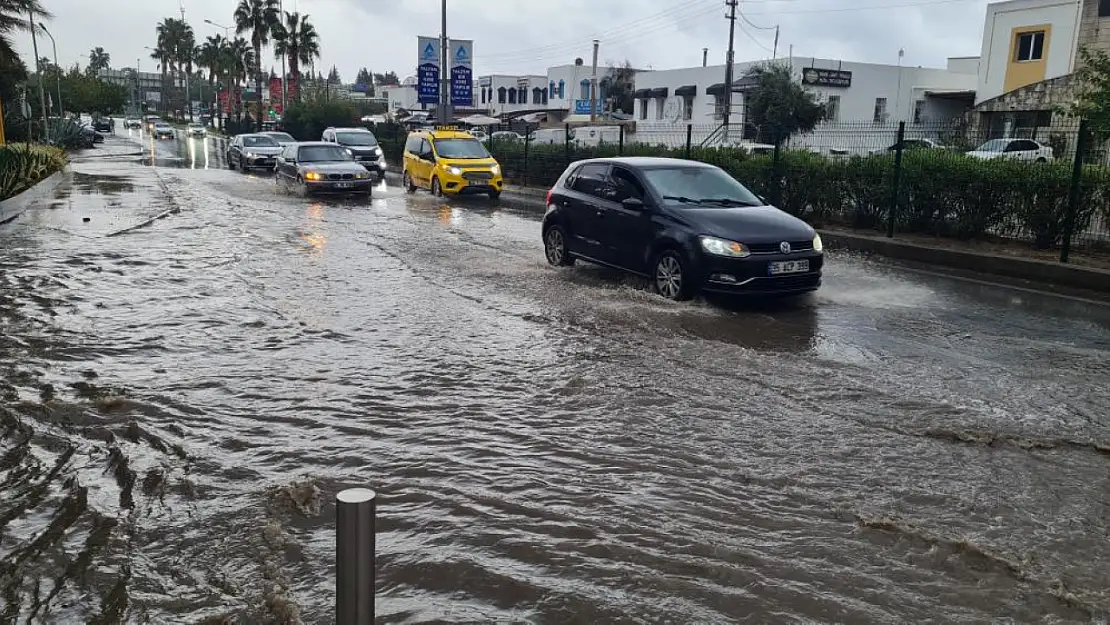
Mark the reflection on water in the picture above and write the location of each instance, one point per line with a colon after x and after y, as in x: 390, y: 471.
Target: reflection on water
x: 312, y: 234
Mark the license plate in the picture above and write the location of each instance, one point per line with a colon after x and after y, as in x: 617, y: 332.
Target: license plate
x: 788, y: 266
x: 343, y: 185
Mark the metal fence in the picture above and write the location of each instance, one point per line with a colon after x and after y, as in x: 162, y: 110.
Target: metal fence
x: 1046, y: 186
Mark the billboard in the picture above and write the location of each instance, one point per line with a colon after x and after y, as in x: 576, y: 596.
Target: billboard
x: 427, y: 70
x: 461, y: 58
x: 275, y: 93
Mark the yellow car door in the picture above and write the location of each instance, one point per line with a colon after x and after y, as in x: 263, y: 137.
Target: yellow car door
x: 425, y: 163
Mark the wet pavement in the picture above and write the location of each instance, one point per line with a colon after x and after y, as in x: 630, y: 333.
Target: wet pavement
x: 189, y: 377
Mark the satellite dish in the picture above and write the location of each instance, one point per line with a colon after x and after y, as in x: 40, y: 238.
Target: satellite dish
x: 578, y: 61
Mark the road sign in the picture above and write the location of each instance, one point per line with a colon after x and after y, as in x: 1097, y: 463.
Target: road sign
x: 427, y: 70
x: 462, y: 72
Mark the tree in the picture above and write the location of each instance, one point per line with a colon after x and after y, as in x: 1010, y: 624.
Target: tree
x: 618, y: 86
x: 173, y: 50
x: 297, y: 40
x: 240, y: 63
x: 1092, y: 92
x: 14, y: 18
x: 98, y: 60
x: 333, y: 76
x: 212, y: 56
x: 364, y: 77
x: 779, y: 107
x: 388, y: 78
x: 259, y: 18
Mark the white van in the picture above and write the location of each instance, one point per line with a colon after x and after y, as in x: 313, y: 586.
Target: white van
x: 550, y: 136
x: 596, y: 135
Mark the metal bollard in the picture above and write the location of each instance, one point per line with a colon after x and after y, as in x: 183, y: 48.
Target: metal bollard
x: 355, y: 510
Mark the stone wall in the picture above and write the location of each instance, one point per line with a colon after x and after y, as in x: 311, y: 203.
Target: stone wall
x: 1094, y: 31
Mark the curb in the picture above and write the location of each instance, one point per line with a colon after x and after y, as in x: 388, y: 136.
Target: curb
x: 531, y: 198
x: 15, y: 206
x: 1086, y: 278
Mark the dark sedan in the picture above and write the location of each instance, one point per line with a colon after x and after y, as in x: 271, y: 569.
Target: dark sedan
x: 104, y: 124
x: 686, y: 226
x: 318, y: 167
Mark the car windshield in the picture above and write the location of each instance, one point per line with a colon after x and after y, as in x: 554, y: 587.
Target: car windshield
x: 700, y: 185
x: 259, y: 142
x: 281, y: 136
x: 356, y: 138
x: 322, y: 154
x: 460, y: 148
x: 994, y: 145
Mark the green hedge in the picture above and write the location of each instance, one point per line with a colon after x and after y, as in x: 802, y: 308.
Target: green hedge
x: 944, y: 193
x: 23, y: 166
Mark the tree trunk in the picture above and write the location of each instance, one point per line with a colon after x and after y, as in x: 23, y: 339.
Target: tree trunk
x: 294, y: 70
x: 258, y: 87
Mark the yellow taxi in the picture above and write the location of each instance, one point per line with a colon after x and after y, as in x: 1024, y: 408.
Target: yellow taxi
x: 449, y: 161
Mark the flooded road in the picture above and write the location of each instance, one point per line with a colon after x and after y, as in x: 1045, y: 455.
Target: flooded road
x: 190, y: 376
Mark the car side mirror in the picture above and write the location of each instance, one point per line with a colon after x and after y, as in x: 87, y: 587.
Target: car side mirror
x: 633, y: 203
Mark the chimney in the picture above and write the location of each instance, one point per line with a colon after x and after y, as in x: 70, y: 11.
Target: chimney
x: 704, y: 57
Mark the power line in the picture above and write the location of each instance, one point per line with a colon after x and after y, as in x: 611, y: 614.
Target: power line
x: 743, y: 17
x: 875, y: 7
x: 752, y: 38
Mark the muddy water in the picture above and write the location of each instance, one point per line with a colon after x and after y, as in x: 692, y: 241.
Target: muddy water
x: 189, y: 377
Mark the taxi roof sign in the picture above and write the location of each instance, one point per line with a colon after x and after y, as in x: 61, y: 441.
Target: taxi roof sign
x: 447, y: 127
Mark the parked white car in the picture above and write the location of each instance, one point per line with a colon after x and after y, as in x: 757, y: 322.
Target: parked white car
x: 1013, y: 149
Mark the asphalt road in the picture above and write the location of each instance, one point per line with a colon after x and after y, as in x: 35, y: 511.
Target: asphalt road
x: 193, y: 372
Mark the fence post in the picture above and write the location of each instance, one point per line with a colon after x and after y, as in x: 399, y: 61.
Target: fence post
x: 355, y: 510
x: 620, y: 143
x: 525, y: 176
x: 566, y: 142
x: 689, y: 139
x: 776, y: 178
x: 892, y: 215
x: 1073, y: 192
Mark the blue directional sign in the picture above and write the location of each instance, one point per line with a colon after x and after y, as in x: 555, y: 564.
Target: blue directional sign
x: 462, y: 72
x: 427, y: 70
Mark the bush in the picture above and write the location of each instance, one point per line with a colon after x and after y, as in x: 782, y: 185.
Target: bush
x: 22, y: 166
x: 306, y: 121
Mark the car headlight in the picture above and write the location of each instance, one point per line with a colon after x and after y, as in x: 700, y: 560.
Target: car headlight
x: 249, y: 154
x: 496, y: 169
x: 361, y: 176
x: 818, y: 246
x: 723, y: 247
x: 312, y: 176
x: 454, y: 171
x: 378, y: 151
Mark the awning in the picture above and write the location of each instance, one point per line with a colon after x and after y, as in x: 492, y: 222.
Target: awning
x: 687, y: 90
x: 641, y: 94
x: 953, y: 94
x: 717, y: 89
x: 659, y: 92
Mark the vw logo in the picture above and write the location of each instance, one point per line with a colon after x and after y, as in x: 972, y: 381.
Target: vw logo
x: 784, y: 247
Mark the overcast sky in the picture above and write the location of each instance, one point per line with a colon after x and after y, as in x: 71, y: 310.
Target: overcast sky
x: 527, y: 36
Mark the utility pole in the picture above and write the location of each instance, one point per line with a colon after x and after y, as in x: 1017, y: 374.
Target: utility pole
x: 775, y: 53
x: 284, y: 99
x: 185, y: 70
x: 38, y: 68
x: 593, y: 86
x: 444, y: 72
x: 730, y: 59
x: 704, y: 57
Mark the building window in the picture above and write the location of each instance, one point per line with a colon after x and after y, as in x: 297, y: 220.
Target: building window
x: 512, y: 96
x: 832, y: 108
x: 1104, y: 8
x: 585, y: 89
x: 660, y: 103
x: 1030, y: 46
x: 545, y: 96
x: 687, y: 107
x: 880, y: 110
x: 523, y: 97
x: 501, y: 92
x: 550, y: 89
x: 537, y: 95
x: 643, y: 109
x: 483, y: 95
x: 562, y: 88
x: 918, y: 111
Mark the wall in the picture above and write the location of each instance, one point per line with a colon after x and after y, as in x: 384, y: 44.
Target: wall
x: 572, y: 77
x: 998, y: 70
x: 1094, y: 30
x: 963, y: 64
x: 401, y: 97
x: 495, y: 82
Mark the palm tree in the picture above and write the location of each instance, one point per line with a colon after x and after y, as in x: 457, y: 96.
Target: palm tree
x: 14, y: 15
x: 239, y: 63
x: 297, y: 40
x: 258, y: 17
x: 210, y: 56
x: 184, y: 56
x: 98, y: 60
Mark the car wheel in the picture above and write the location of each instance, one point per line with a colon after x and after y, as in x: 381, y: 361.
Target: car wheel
x: 495, y: 195
x: 407, y: 183
x: 437, y: 191
x: 242, y: 165
x: 230, y: 163
x: 555, y: 247
x: 670, y: 278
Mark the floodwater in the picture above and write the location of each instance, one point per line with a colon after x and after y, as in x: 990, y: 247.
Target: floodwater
x: 190, y: 376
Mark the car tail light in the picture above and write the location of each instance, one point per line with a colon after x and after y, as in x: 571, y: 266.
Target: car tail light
x: 549, y: 192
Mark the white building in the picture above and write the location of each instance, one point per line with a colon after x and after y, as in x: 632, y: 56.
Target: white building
x: 402, y: 96
x: 1028, y: 41
x: 569, y: 86
x: 667, y: 101
x: 499, y: 93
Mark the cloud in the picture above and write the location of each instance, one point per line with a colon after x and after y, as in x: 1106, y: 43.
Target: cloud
x: 525, y: 36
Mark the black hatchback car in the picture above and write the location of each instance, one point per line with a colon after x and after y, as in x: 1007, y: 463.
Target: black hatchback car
x: 686, y: 226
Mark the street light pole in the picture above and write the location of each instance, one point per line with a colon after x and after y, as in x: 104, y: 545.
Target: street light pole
x: 227, y: 29
x: 38, y: 68
x: 444, y: 71
x: 57, y: 68
x: 185, y: 71
x: 284, y: 102
x: 593, y: 86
